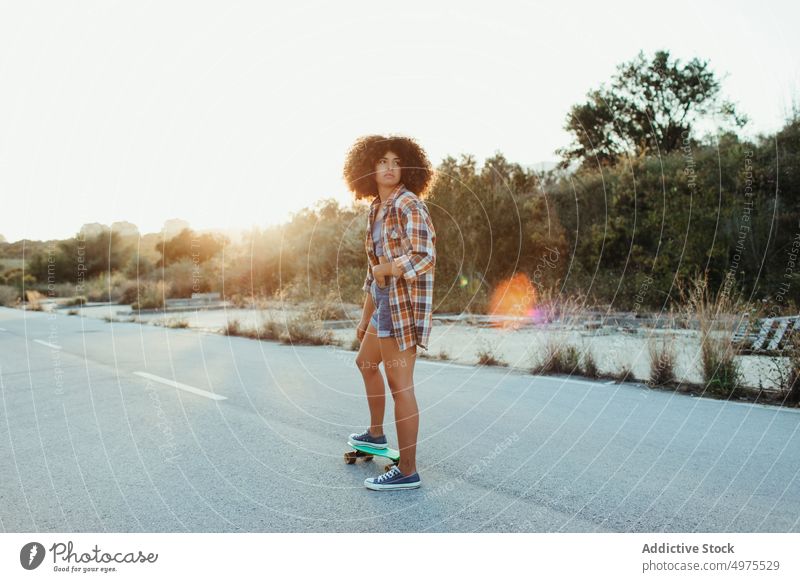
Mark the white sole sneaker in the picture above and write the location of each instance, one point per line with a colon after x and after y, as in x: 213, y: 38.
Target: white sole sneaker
x: 354, y: 442
x: 370, y: 485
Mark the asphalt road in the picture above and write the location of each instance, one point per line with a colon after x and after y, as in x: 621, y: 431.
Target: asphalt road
x: 134, y: 428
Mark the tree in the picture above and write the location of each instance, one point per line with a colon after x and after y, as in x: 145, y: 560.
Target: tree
x: 189, y: 245
x: 651, y: 107
x: 84, y: 255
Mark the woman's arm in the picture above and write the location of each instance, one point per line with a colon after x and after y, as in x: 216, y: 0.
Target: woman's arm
x: 420, y: 232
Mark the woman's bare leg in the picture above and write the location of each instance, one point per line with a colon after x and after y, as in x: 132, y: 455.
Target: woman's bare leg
x: 367, y: 360
x: 399, y: 368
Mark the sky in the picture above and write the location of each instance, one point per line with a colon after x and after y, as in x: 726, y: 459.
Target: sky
x: 236, y: 114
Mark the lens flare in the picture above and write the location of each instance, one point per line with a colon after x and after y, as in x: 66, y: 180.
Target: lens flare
x: 515, y: 297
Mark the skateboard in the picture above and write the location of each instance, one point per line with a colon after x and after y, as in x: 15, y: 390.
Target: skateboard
x: 367, y: 453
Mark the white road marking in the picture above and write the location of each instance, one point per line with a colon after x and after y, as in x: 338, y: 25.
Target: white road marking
x: 48, y: 344
x: 180, y: 386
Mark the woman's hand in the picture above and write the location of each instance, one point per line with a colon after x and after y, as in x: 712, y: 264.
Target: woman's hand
x: 385, y: 269
x: 379, y: 271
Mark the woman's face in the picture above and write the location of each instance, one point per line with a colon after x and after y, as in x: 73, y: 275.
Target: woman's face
x: 387, y: 170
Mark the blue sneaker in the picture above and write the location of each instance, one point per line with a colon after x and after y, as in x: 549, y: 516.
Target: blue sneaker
x: 393, y: 479
x: 367, y: 440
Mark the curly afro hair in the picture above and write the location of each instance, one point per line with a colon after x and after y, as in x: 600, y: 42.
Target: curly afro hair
x: 416, y: 172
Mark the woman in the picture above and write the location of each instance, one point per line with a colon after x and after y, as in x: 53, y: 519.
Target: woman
x: 400, y: 244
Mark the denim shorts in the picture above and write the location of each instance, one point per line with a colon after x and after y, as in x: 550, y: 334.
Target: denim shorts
x: 382, y: 317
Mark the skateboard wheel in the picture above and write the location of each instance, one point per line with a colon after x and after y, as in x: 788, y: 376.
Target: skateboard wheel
x: 388, y: 467
x: 349, y: 458
x: 368, y: 458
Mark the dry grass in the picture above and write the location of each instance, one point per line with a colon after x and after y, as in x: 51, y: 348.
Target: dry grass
x: 305, y: 329
x: 662, y: 360
x: 486, y: 355
x: 250, y: 302
x: 589, y: 366
x: 34, y: 300
x: 173, y: 323
x: 719, y: 315
x: 232, y: 328
x: 624, y: 374
x: 565, y: 312
x: 559, y: 358
x: 328, y: 307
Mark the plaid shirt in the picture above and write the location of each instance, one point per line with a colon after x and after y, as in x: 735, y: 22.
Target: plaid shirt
x: 409, y: 236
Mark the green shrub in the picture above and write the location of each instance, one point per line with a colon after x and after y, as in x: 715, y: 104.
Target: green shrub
x: 185, y: 277
x: 56, y: 289
x: 129, y: 293
x: 9, y: 296
x: 721, y: 372
x: 151, y: 296
x: 349, y: 280
x: 471, y: 298
x: 16, y: 279
x: 105, y: 287
x: 139, y: 267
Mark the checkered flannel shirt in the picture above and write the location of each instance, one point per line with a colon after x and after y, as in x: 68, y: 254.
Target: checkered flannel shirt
x: 409, y: 236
